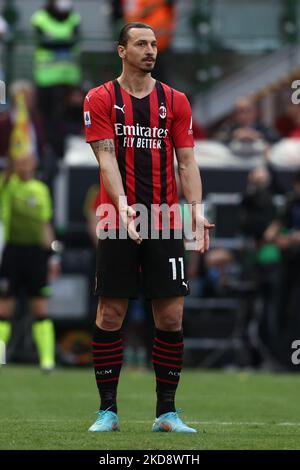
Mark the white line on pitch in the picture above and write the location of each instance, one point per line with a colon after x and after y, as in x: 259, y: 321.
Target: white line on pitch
x: 225, y: 423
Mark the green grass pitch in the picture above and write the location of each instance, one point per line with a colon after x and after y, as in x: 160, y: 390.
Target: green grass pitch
x: 230, y: 410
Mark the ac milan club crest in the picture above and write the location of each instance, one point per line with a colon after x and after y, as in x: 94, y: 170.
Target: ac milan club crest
x: 162, y: 112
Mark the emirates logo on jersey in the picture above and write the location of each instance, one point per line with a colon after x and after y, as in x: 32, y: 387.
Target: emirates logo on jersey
x: 162, y: 112
x: 141, y: 136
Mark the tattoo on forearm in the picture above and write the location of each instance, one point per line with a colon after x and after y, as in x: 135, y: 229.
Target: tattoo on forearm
x: 106, y: 145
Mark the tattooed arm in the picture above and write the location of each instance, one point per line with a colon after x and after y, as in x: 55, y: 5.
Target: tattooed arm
x: 106, y: 145
x: 104, y: 151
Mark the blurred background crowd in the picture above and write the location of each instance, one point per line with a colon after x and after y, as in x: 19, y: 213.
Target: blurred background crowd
x: 238, y: 62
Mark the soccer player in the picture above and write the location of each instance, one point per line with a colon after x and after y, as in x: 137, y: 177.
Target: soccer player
x: 26, y: 213
x: 133, y: 124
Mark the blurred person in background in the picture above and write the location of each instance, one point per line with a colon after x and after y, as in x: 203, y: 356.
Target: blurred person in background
x: 56, y: 61
x: 244, y: 133
x: 71, y: 122
x: 257, y: 206
x: 257, y: 211
x: 26, y: 214
x: 285, y: 232
x: 22, y: 121
x: 220, y: 273
x: 161, y: 16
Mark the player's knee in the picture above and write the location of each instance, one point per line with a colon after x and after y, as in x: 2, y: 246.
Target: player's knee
x: 5, y: 313
x: 6, y: 308
x: 39, y: 308
x: 110, y: 317
x: 171, y: 322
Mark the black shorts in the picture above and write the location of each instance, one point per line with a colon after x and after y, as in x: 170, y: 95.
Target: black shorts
x: 155, y: 268
x: 24, y: 269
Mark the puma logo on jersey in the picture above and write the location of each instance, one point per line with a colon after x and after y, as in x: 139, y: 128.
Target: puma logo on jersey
x: 185, y: 284
x: 121, y: 109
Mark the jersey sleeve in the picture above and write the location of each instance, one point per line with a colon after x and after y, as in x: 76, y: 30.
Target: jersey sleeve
x: 97, y: 119
x: 182, y: 128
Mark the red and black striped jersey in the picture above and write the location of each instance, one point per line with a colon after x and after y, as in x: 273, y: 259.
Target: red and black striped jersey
x: 145, y: 131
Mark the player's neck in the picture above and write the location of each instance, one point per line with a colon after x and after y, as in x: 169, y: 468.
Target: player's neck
x: 137, y: 84
x: 26, y: 178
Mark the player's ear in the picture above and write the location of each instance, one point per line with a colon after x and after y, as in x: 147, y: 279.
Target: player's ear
x: 122, y: 52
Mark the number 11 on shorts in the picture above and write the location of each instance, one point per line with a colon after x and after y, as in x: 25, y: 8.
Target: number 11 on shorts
x: 174, y: 267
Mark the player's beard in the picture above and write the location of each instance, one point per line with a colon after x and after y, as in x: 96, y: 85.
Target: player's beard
x: 141, y: 65
x: 147, y: 67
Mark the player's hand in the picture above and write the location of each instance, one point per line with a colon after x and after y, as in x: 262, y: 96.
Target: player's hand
x: 201, y: 226
x: 128, y: 214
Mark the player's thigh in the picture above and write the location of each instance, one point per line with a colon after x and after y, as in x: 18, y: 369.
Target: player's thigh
x: 117, y: 270
x: 163, y: 268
